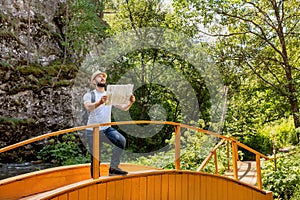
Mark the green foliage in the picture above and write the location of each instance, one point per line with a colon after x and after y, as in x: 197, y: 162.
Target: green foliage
x: 252, y: 105
x: 84, y: 27
x: 30, y: 70
x: 285, y: 181
x: 282, y: 132
x: 253, y: 43
x: 16, y: 122
x: 36, y: 78
x: 195, y: 147
x: 157, y: 73
x: 63, y: 151
x: 296, y: 195
x: 135, y: 14
x: 259, y: 142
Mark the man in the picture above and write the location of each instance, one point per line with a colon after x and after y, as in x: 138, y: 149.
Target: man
x: 101, y: 113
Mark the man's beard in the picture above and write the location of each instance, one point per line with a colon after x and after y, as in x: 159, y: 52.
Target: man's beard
x: 100, y: 84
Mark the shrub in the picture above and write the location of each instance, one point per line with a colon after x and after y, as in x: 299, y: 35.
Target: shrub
x: 63, y: 151
x: 195, y: 147
x: 296, y: 195
x: 285, y: 181
x: 282, y: 132
x: 259, y: 142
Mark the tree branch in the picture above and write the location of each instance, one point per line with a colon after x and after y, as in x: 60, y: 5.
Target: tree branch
x: 270, y: 22
x: 131, y: 17
x: 265, y: 80
x: 262, y: 36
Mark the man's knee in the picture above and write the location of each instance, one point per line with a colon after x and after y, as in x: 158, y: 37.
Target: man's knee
x: 122, y: 140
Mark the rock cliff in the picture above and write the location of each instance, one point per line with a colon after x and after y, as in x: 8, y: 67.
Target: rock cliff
x: 33, y: 103
x: 31, y: 30
x: 35, y: 98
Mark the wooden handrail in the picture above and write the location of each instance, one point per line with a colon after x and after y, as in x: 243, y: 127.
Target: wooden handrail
x: 235, y: 145
x: 31, y: 140
x: 283, y: 156
x: 177, y: 126
x: 252, y: 150
x: 47, y: 135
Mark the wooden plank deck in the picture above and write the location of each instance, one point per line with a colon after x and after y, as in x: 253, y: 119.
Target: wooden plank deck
x: 49, y: 179
x: 157, y: 184
x: 246, y: 172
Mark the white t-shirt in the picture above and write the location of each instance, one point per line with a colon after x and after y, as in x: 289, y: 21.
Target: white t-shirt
x: 102, y: 114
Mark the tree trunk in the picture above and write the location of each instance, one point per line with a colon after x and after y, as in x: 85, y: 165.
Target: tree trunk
x: 295, y: 110
x: 288, y: 68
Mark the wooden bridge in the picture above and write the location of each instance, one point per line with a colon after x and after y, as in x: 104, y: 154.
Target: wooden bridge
x: 142, y: 182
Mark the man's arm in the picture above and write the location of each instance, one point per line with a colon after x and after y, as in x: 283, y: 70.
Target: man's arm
x: 92, y: 106
x: 126, y: 107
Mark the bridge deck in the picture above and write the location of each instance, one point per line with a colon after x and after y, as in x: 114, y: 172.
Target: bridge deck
x: 148, y: 184
x: 53, y: 178
x: 74, y: 182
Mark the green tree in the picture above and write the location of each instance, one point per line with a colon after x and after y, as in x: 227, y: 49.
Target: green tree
x: 259, y: 38
x: 84, y: 27
x: 155, y: 69
x: 251, y: 106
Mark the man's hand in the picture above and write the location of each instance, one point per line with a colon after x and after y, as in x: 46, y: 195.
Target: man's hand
x: 126, y: 107
x: 103, y: 99
x: 92, y: 106
x: 132, y: 98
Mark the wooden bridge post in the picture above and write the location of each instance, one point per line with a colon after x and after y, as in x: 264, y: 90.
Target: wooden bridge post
x: 259, y: 181
x: 228, y: 155
x: 96, y: 154
x: 177, y: 147
x: 216, y: 161
x: 234, y: 160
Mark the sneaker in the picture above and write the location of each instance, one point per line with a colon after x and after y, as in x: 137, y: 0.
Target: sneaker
x: 116, y: 171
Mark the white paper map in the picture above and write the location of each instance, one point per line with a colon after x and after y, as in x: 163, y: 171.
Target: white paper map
x: 119, y: 94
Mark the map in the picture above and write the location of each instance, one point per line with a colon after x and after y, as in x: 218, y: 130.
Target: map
x: 119, y: 94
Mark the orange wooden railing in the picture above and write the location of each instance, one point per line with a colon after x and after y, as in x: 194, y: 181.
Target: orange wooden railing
x: 178, y: 126
x: 212, y: 153
x: 235, y: 144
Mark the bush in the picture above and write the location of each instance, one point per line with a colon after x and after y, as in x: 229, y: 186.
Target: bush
x: 259, y: 142
x: 296, y: 195
x: 282, y: 132
x: 61, y: 151
x: 285, y: 181
x: 195, y: 147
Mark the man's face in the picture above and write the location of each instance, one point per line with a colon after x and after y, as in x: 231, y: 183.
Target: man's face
x: 100, y: 78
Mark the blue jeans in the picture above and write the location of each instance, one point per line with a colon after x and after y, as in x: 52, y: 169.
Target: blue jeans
x: 110, y: 136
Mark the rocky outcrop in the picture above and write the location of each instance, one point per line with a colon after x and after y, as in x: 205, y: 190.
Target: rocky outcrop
x: 31, y: 31
x: 34, y: 101
x: 35, y: 89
